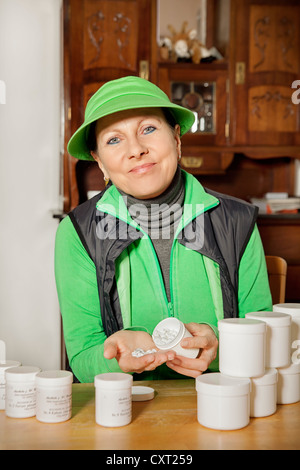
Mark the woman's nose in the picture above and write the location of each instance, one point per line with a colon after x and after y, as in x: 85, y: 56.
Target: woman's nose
x: 136, y: 149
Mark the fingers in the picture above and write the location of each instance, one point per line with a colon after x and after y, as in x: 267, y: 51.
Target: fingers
x: 160, y: 358
x: 203, y: 337
x: 110, y: 350
x: 193, y: 367
x: 129, y: 363
x: 139, y: 364
x: 198, y: 342
x: 148, y: 362
x: 175, y: 365
x: 188, y: 369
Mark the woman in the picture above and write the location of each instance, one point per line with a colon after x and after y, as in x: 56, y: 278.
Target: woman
x: 153, y: 244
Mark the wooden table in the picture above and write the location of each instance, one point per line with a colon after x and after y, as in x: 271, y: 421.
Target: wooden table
x: 168, y: 422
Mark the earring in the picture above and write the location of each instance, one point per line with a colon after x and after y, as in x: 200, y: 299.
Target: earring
x: 179, y: 156
x: 106, y: 180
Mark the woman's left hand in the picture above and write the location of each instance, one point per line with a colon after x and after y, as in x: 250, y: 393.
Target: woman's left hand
x: 203, y: 339
x: 121, y: 344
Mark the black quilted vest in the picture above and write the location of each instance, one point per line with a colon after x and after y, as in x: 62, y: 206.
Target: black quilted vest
x: 227, y: 229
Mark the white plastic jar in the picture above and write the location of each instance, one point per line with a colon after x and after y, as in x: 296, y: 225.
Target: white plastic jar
x: 263, y: 395
x: 113, y: 399
x: 20, y: 391
x: 168, y: 334
x: 54, y: 396
x: 4, y: 365
x: 222, y: 401
x: 288, y: 387
x: 294, y: 311
x: 242, y: 347
x: 278, y: 337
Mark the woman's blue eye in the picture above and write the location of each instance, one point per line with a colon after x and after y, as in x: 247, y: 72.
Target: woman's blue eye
x: 149, y: 129
x: 113, y: 140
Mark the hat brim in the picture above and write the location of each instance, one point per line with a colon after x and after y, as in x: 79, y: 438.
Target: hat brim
x: 77, y: 146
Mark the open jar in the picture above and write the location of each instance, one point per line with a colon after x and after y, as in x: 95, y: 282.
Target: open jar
x: 169, y: 333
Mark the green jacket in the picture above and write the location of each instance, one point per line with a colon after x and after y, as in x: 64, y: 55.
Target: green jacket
x: 205, y: 283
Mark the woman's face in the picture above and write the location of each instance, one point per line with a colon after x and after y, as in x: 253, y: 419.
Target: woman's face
x: 138, y: 151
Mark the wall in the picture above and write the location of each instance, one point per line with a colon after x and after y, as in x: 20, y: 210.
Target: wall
x: 30, y: 36
x: 174, y: 12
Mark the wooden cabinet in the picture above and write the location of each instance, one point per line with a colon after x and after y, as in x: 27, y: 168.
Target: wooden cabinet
x: 103, y: 40
x: 251, y: 110
x: 204, y: 90
x: 281, y: 237
x: 246, y: 143
x: 264, y: 62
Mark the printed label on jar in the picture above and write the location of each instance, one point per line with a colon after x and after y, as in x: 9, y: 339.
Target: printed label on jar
x: 123, y: 407
x: 113, y: 408
x: 53, y: 407
x: 20, y: 400
x: 2, y: 394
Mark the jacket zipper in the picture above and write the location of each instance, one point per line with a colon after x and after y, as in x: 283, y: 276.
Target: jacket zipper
x: 169, y: 305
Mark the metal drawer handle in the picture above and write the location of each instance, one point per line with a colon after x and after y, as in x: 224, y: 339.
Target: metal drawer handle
x: 192, y: 162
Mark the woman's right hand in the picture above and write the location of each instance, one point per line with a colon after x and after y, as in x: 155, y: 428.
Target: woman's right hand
x: 121, y: 344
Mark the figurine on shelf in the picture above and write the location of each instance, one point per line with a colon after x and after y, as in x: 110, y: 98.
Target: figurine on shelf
x: 165, y: 47
x: 184, y: 46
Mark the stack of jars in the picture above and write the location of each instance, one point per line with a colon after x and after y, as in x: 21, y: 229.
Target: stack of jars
x: 259, y: 368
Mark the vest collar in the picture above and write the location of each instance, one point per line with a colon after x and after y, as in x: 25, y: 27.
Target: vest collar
x: 196, y: 202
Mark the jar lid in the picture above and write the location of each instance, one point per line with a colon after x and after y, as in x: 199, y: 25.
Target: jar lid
x: 21, y: 373
x: 54, y: 377
x: 6, y: 364
x: 291, y: 309
x: 269, y: 378
x: 293, y: 368
x: 113, y: 380
x: 218, y: 384
x: 241, y: 325
x: 272, y: 318
x: 141, y: 393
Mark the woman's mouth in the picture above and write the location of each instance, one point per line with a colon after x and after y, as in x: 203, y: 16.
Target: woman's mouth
x: 144, y: 168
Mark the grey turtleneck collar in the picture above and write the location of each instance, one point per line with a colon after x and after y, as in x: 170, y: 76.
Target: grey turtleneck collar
x: 159, y: 215
x: 159, y: 218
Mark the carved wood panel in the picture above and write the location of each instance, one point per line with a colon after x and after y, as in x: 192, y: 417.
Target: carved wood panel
x: 103, y: 40
x: 271, y: 109
x: 110, y: 34
x: 265, y: 44
x: 274, y: 37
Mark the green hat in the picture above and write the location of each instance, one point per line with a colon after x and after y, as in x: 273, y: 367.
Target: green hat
x: 119, y: 95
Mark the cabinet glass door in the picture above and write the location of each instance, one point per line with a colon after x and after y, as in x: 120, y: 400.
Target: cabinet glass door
x: 199, y: 97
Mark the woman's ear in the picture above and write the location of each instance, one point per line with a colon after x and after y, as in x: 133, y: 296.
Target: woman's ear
x: 177, y: 138
x: 100, y: 164
x: 95, y: 156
